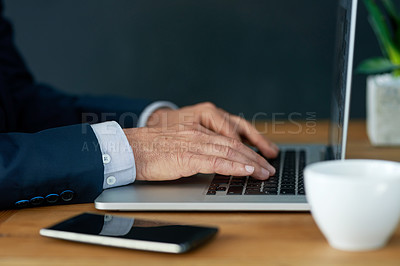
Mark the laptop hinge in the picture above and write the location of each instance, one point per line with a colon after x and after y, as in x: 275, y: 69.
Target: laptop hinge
x: 329, y: 153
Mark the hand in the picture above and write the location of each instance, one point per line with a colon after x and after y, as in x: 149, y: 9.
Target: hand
x: 186, y: 149
x: 217, y: 120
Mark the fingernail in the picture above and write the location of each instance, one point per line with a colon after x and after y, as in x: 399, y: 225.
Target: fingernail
x: 272, y: 170
x: 249, y: 168
x: 264, y: 172
x: 276, y: 148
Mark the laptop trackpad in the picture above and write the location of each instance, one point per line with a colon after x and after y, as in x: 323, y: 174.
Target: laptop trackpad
x: 188, y: 188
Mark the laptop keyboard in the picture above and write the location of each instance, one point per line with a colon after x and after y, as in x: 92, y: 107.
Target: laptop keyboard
x: 288, y: 179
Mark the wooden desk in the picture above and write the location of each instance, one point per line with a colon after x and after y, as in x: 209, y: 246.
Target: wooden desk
x: 244, y: 238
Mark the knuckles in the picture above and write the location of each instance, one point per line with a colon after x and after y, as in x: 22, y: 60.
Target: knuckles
x: 217, y: 163
x: 207, y: 105
x: 235, y: 144
x: 229, y: 152
x: 187, y: 164
x: 195, y: 131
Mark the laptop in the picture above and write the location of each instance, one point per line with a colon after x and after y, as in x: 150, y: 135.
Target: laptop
x: 282, y: 192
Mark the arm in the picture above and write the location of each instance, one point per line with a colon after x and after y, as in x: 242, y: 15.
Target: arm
x: 30, y: 107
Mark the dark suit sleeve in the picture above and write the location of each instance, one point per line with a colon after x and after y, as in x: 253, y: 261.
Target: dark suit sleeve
x: 36, y: 165
x: 38, y: 107
x: 46, y: 156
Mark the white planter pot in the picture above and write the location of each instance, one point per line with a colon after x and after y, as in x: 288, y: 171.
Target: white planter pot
x: 383, y: 110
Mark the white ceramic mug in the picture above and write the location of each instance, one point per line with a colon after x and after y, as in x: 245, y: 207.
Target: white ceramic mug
x: 355, y: 203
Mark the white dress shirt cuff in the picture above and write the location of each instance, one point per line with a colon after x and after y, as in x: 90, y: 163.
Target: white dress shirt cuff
x: 116, y: 226
x: 144, y: 116
x: 117, y: 154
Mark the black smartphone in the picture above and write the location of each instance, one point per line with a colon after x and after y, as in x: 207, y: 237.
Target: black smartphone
x: 125, y: 232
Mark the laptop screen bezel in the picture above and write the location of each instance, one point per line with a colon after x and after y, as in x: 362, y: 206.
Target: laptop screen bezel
x: 339, y: 152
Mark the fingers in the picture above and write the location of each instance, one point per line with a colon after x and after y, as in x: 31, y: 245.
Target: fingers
x: 267, y: 148
x: 214, y: 164
x: 234, y: 127
x: 183, y: 128
x: 205, y: 142
x: 240, y: 147
x: 186, y: 149
x: 212, y: 118
x: 230, y: 154
x: 228, y: 148
x: 198, y: 127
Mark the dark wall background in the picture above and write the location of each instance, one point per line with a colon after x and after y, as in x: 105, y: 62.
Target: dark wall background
x: 247, y: 56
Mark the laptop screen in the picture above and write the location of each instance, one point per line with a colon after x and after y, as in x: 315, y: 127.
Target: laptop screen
x: 340, y: 105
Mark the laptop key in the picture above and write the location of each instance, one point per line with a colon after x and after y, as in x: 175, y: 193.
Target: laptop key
x: 237, y: 183
x: 218, y: 176
x: 235, y: 190
x: 254, y: 192
x: 253, y: 187
x: 270, y: 189
x: 288, y: 187
x: 287, y: 192
x: 239, y: 178
x: 270, y: 185
x: 286, y: 180
x: 220, y: 181
x: 234, y: 193
x: 213, y: 187
x: 254, y: 184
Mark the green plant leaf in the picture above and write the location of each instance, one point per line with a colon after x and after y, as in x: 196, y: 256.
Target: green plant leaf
x: 376, y: 65
x: 391, y: 10
x: 394, y: 19
x: 397, y: 36
x: 378, y: 23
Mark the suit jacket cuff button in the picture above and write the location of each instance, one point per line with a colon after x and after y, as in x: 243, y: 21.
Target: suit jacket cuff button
x: 67, y: 195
